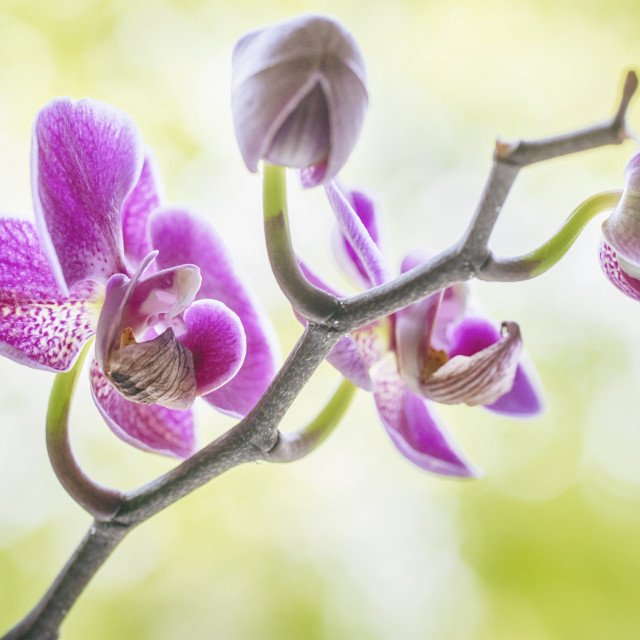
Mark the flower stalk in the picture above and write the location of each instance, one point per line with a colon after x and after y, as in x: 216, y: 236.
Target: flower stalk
x: 101, y: 502
x: 256, y: 434
x: 310, y: 301
x: 547, y: 255
x: 293, y: 446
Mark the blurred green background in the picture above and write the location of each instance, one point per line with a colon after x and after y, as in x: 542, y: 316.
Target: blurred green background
x: 354, y: 542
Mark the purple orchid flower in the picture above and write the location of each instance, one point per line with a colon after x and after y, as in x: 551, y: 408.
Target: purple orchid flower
x: 299, y: 95
x: 620, y: 248
x: 154, y: 283
x: 440, y: 349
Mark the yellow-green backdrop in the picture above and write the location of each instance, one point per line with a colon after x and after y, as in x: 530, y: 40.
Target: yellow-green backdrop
x: 354, y: 543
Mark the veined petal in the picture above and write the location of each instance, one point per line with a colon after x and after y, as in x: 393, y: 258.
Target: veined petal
x: 147, y: 195
x: 343, y: 250
x: 183, y: 237
x: 352, y: 225
x: 356, y: 352
x: 347, y: 359
x: 217, y: 340
x: 138, y: 304
x: 414, y: 328
x: 39, y: 326
x: 452, y: 308
x: 161, y: 370
x: 611, y: 267
x: 417, y: 432
x: 149, y: 427
x: 525, y: 398
x: 86, y: 158
x: 481, y: 378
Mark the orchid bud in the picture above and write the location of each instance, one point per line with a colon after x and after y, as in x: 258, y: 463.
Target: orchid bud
x: 298, y: 95
x: 620, y: 251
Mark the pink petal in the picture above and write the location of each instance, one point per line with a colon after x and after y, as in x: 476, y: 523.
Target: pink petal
x: 347, y: 356
x: 452, y: 305
x: 343, y: 250
x: 216, y: 338
x: 416, y: 431
x: 146, y: 196
x: 414, y: 329
x: 86, y: 158
x: 352, y: 226
x: 480, y: 378
x: 39, y: 326
x: 140, y: 304
x: 611, y: 267
x: 524, y: 399
x: 149, y: 427
x: 184, y: 238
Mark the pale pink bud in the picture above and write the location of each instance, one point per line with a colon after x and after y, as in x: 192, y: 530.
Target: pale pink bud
x: 622, y: 229
x: 298, y: 95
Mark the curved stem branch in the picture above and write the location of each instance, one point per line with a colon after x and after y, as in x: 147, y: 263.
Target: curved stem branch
x: 251, y: 439
x: 256, y: 435
x: 313, y: 303
x: 99, y: 501
x: 45, y: 619
x: 547, y: 255
x: 293, y: 446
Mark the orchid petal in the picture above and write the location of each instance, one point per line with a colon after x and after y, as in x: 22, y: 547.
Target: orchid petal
x: 343, y: 250
x: 416, y: 431
x: 86, y: 158
x: 139, y: 304
x: 524, y: 399
x: 160, y: 370
x: 39, y: 326
x: 217, y: 340
x: 183, y: 237
x: 481, y: 378
x: 414, y: 330
x: 611, y: 267
x: 346, y: 356
x: 146, y: 196
x: 452, y: 306
x: 149, y: 427
x: 357, y: 234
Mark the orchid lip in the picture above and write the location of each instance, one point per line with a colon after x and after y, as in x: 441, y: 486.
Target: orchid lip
x: 482, y: 378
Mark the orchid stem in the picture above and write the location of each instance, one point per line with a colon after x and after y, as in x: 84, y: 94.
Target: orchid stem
x: 550, y: 253
x: 312, y: 302
x: 101, y: 502
x: 293, y: 446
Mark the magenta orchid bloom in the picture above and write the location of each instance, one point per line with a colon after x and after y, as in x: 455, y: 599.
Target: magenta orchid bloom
x: 439, y: 349
x: 154, y: 283
x: 620, y: 249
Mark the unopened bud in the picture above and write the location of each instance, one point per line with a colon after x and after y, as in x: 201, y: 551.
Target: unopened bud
x: 298, y: 95
x: 622, y: 229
